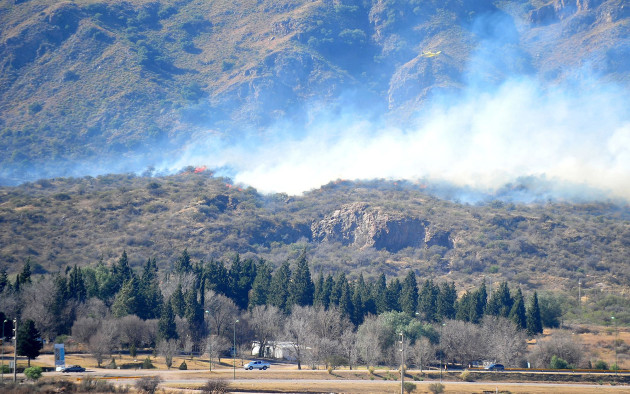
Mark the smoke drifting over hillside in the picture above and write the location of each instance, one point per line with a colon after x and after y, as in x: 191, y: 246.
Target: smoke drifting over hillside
x: 575, y: 134
x: 569, y: 140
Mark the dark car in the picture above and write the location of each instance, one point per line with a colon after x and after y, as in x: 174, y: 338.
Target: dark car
x: 73, y: 368
x: 495, y: 367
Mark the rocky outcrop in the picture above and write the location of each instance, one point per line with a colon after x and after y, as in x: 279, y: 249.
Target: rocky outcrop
x: 360, y: 225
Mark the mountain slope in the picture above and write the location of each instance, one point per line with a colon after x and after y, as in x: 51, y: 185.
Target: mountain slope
x: 354, y: 227
x: 117, y: 84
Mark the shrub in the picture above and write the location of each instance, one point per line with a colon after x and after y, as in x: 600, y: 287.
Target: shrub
x: 147, y: 364
x: 183, y: 366
x: 5, y: 368
x: 559, y: 363
x: 112, y: 364
x: 600, y: 364
x: 371, y: 370
x: 330, y: 369
x: 215, y: 386
x: 148, y: 384
x: 409, y: 387
x: 33, y: 373
x: 436, y: 388
x: 465, y: 376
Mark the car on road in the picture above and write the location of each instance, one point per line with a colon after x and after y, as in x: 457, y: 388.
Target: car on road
x: 495, y: 367
x: 73, y: 368
x: 257, y: 364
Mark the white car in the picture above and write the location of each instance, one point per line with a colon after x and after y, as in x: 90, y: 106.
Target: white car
x: 257, y: 364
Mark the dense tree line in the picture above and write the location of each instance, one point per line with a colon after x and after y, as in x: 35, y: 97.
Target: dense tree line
x: 194, y: 308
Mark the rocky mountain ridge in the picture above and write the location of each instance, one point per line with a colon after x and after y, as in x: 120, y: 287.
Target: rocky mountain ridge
x: 352, y: 227
x: 119, y: 83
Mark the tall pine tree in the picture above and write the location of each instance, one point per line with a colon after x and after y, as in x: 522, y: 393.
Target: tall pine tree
x: 409, y: 294
x: 28, y: 340
x: 534, y: 321
x: 301, y: 288
x: 279, y: 292
x: 166, y: 325
x: 517, y: 314
x: 261, y: 286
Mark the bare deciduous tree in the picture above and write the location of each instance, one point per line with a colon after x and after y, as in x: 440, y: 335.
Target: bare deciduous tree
x: 266, y: 323
x: 100, y: 346
x: 84, y: 328
x: 422, y: 352
x: 222, y: 312
x: 370, y: 342
x: 505, y: 343
x: 216, y: 346
x: 39, y: 300
x: 462, y: 342
x: 94, y: 308
x: 296, y: 331
x: 132, y: 330
x: 168, y: 349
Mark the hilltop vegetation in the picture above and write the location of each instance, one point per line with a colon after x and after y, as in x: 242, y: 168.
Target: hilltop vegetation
x: 126, y: 81
x: 352, y: 227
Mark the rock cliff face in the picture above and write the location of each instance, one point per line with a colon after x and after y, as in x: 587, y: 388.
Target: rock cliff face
x: 363, y: 226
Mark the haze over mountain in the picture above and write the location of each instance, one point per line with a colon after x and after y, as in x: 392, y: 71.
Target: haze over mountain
x: 288, y: 95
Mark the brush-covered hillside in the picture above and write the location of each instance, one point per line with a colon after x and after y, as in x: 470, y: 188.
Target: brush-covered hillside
x: 351, y: 227
x: 121, y: 83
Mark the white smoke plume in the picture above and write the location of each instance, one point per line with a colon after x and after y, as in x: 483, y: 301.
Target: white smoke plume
x: 570, y: 134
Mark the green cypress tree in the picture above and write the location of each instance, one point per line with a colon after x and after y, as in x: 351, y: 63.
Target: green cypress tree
x: 301, y: 287
x: 329, y: 283
x: 345, y: 301
x: 337, y: 289
x: 427, y: 303
x: 367, y: 300
x: 358, y: 308
x: 25, y: 276
x: 182, y: 264
x: 28, y: 340
x: 534, y: 321
x: 150, y: 297
x: 409, y: 294
x: 260, y: 287
x: 126, y: 300
x: 446, y: 299
x: 394, y: 288
x: 480, y: 303
x: 279, y: 292
x: 177, y: 301
x: 76, y: 285
x: 121, y: 270
x: 166, y: 325
x: 500, y: 303
x: 193, y: 312
x: 379, y: 294
x: 217, y: 277
x: 4, y: 279
x: 464, y: 306
x: 517, y: 314
x: 319, y: 286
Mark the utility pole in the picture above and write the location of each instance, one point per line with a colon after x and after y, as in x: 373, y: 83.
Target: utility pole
x: 441, y: 350
x: 402, y: 363
x: 2, y: 367
x: 15, y: 327
x: 234, y: 351
x: 616, y: 335
x: 209, y: 340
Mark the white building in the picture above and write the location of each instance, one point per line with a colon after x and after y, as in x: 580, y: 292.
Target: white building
x: 277, y: 350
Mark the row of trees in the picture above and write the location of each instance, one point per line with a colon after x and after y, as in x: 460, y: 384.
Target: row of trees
x: 104, y: 306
